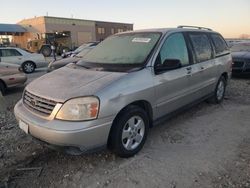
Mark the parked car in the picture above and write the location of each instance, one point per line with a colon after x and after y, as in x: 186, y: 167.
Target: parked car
x: 79, y: 49
x: 27, y: 61
x: 241, y: 63
x: 62, y: 62
x: 124, y: 86
x: 10, y: 76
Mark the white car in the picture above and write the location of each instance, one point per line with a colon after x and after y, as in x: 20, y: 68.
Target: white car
x: 27, y: 61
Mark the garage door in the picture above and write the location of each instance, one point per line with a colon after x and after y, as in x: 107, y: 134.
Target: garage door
x: 84, y: 37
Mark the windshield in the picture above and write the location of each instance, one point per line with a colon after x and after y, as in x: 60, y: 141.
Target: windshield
x: 80, y: 48
x: 83, y: 52
x: 123, y: 49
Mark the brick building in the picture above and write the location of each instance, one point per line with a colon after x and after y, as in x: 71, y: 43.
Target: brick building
x: 80, y: 31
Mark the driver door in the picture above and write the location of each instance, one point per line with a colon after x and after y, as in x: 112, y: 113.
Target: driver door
x: 172, y: 87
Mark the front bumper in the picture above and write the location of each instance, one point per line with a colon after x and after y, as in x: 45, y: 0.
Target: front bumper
x: 86, y: 135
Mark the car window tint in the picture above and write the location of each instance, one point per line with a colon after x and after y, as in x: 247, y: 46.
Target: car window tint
x: 202, y: 46
x: 10, y: 52
x: 174, y: 48
x: 219, y: 44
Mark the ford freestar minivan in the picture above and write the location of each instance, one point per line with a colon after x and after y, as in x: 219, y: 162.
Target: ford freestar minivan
x: 120, y: 88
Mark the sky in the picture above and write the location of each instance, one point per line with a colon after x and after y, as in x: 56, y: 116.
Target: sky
x: 229, y: 17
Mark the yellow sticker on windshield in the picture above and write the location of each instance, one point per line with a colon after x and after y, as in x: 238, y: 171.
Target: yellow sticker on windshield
x: 142, y: 40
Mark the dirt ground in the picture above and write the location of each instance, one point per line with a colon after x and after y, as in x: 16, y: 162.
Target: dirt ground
x: 205, y: 146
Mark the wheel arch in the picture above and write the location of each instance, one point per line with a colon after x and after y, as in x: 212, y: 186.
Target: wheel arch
x: 145, y: 105
x: 4, y: 85
x: 27, y: 61
x: 225, y: 75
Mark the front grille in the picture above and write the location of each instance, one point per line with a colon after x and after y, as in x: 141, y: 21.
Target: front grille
x: 38, y: 104
x: 238, y: 64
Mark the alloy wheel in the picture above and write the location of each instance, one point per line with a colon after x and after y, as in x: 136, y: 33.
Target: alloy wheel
x: 133, y: 133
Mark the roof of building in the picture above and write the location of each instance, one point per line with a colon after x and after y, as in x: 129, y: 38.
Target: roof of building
x: 11, y: 28
x: 53, y: 17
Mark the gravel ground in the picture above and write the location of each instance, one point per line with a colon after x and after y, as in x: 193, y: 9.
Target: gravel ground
x: 205, y: 146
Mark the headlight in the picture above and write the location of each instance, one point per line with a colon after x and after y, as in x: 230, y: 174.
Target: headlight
x: 79, y: 109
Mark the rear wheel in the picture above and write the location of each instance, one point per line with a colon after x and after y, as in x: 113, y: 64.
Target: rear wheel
x: 129, y: 132
x: 219, y: 92
x: 28, y: 67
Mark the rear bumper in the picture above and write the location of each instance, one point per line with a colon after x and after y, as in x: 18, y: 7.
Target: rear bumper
x: 242, y: 70
x: 83, y: 135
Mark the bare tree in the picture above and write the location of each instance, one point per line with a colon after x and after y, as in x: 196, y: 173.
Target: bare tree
x: 244, y: 36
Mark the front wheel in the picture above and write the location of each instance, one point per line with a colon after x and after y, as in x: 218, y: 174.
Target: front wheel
x: 2, y: 88
x: 129, y: 132
x: 28, y: 67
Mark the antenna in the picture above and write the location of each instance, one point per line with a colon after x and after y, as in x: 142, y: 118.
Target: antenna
x: 47, y: 13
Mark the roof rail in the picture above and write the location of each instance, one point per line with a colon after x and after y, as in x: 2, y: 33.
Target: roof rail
x: 197, y: 27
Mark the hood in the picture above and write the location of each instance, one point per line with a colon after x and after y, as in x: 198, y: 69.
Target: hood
x: 244, y: 54
x: 70, y: 82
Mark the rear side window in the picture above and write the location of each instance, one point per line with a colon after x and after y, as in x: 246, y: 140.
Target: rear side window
x: 202, y: 46
x: 219, y: 44
x: 10, y: 52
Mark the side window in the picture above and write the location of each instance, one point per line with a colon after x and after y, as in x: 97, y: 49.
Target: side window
x: 15, y: 52
x: 174, y: 48
x: 202, y: 46
x: 219, y: 44
x: 10, y: 52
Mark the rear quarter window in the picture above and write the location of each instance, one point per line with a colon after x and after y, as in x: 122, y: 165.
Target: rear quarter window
x: 219, y: 44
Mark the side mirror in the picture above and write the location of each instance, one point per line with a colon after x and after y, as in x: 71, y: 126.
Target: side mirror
x: 168, y: 64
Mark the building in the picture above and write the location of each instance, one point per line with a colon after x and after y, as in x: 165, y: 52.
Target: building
x: 78, y: 31
x: 7, y: 31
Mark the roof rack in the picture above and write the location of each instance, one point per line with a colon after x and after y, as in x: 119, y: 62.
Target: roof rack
x: 197, y: 27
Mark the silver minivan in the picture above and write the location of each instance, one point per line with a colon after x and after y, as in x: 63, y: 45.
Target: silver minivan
x: 123, y: 87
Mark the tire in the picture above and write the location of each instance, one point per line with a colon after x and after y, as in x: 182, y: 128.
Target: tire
x: 219, y: 92
x: 28, y: 67
x: 129, y: 132
x: 46, y: 51
x: 2, y: 88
